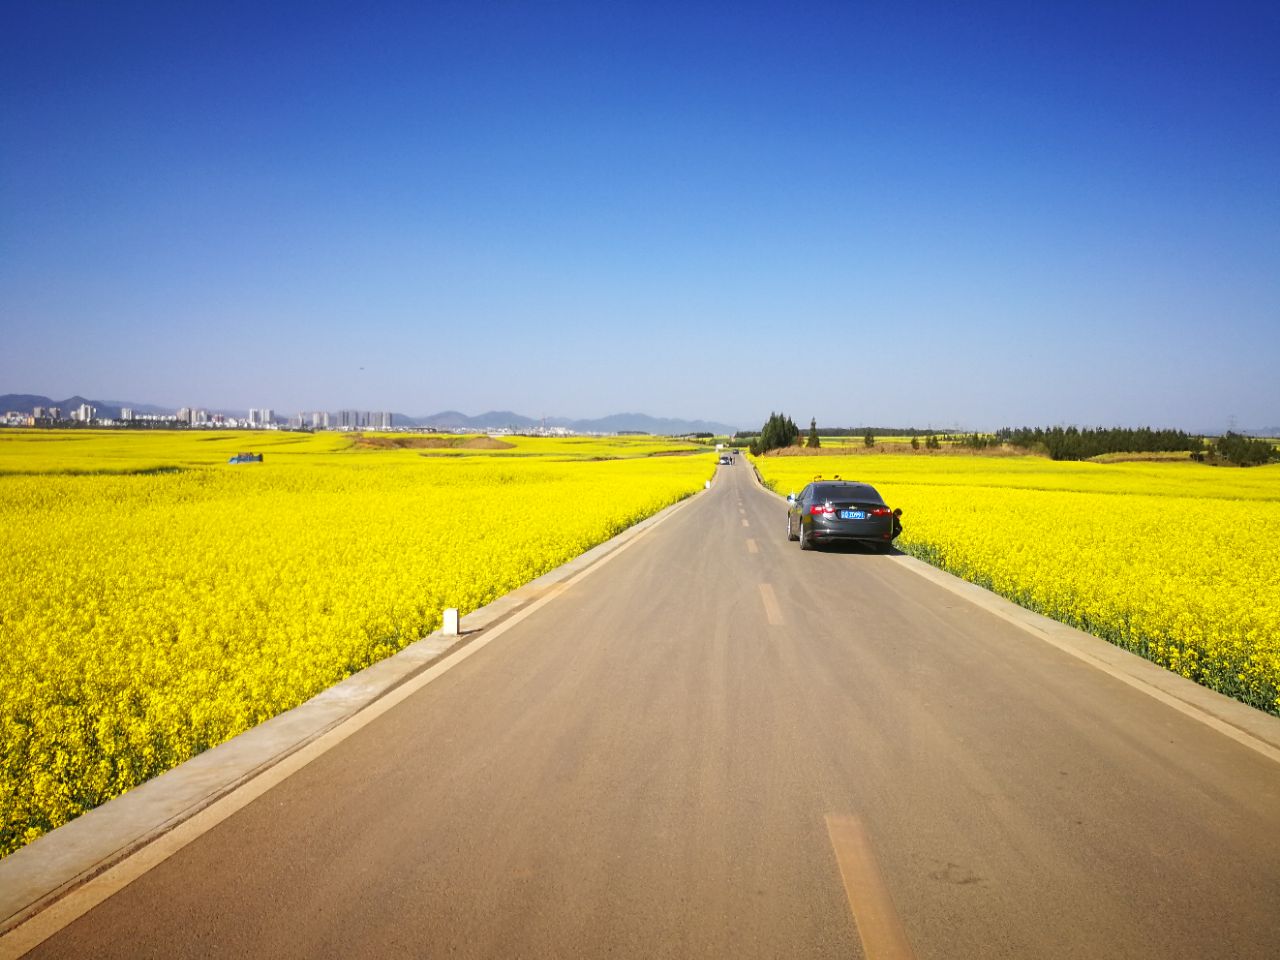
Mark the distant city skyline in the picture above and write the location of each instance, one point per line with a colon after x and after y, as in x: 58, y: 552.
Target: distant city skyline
x: 41, y: 411
x: 345, y: 418
x: 982, y: 215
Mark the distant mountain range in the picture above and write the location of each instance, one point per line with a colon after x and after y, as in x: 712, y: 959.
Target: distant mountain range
x: 445, y: 420
x: 110, y: 409
x: 616, y: 423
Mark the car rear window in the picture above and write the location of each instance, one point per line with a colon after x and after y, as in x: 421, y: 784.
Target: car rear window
x: 846, y: 491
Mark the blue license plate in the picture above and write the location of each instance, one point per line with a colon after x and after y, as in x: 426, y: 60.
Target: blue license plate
x: 852, y: 515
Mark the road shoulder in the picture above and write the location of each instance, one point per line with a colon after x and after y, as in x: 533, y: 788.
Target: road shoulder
x: 41, y: 873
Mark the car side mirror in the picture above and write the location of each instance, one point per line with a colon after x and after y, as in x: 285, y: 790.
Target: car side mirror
x: 791, y: 498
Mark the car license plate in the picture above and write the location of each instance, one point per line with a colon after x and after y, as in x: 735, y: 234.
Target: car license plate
x: 852, y: 515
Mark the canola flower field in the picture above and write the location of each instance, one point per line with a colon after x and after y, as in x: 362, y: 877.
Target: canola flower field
x: 158, y: 600
x: 1178, y: 562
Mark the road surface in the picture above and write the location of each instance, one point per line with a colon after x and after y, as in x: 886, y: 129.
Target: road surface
x: 716, y: 745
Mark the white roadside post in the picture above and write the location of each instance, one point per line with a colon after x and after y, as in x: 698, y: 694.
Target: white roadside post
x: 450, y: 628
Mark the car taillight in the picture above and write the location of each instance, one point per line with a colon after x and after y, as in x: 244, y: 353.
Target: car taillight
x: 817, y: 511
x: 881, y: 512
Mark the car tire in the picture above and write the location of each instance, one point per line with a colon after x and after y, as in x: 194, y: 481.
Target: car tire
x: 806, y: 543
x: 790, y: 536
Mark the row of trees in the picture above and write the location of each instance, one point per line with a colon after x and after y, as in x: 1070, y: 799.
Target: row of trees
x: 1074, y: 443
x: 1059, y: 443
x: 1245, y: 451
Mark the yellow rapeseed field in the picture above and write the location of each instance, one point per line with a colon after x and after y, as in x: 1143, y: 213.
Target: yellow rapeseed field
x: 159, y: 601
x: 1178, y: 562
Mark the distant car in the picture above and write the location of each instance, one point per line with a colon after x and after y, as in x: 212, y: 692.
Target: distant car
x: 727, y: 459
x: 827, y: 511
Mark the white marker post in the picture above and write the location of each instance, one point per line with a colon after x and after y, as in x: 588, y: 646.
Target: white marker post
x: 450, y: 627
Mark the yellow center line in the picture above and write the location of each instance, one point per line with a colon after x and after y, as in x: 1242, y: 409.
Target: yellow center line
x: 879, y: 926
x: 772, y: 612
x: 751, y: 546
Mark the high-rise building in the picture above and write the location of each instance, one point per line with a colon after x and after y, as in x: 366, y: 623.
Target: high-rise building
x: 85, y: 413
x: 126, y: 413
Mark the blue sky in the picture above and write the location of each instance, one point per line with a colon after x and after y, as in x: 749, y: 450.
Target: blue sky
x: 946, y: 214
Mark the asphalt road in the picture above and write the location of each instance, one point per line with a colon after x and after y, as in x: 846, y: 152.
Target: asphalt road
x: 717, y: 745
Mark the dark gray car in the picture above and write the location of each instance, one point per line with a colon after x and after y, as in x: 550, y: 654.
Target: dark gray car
x: 829, y: 510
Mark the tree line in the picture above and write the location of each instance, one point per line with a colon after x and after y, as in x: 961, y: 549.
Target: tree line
x: 1074, y: 443
x: 1058, y: 443
x: 1245, y: 451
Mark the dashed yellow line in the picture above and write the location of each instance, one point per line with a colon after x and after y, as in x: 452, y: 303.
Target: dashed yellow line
x: 772, y: 612
x: 751, y: 546
x: 879, y: 926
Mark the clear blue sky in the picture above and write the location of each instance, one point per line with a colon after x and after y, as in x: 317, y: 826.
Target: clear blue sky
x: 928, y: 214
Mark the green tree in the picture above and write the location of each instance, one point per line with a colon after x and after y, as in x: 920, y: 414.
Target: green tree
x: 778, y: 431
x: 915, y: 442
x: 1243, y: 451
x: 813, y: 443
x: 869, y: 438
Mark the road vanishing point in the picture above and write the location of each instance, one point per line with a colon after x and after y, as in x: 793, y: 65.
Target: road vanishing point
x: 713, y: 744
